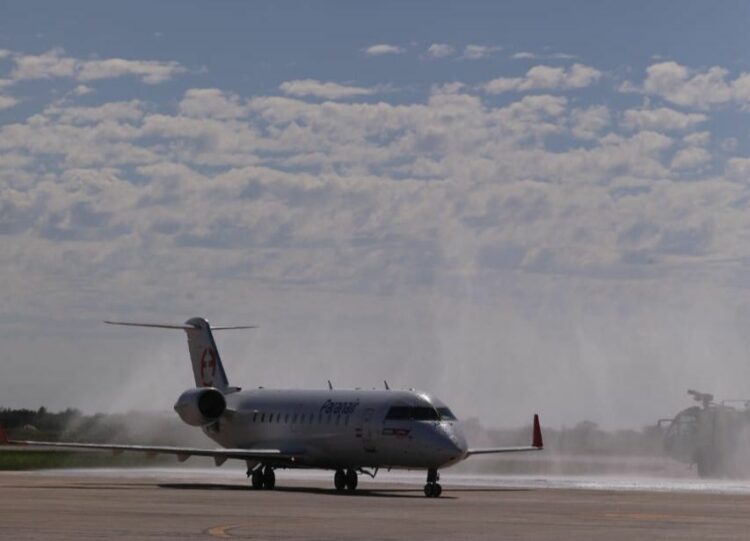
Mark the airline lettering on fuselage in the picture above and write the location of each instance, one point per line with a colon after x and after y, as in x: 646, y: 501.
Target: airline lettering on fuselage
x: 338, y: 408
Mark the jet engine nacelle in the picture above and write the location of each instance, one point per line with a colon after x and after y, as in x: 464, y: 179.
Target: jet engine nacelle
x: 201, y: 406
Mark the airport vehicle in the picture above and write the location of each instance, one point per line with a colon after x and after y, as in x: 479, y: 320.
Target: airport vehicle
x: 711, y: 435
x: 347, y: 431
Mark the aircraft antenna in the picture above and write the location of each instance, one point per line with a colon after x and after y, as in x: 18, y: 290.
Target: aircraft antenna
x: 330, y: 385
x: 386, y: 385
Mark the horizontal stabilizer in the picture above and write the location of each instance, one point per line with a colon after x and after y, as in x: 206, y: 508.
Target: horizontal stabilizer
x: 537, y: 443
x: 179, y: 327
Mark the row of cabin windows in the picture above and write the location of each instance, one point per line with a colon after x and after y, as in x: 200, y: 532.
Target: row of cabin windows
x: 302, y: 418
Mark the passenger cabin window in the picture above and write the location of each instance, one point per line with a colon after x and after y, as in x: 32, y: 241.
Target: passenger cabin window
x: 412, y: 413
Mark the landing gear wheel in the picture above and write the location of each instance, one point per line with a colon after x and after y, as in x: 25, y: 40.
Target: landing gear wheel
x: 351, y: 480
x: 269, y: 478
x: 339, y: 480
x: 433, y: 490
x: 257, y: 478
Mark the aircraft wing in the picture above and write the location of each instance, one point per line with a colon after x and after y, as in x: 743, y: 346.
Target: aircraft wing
x: 219, y: 455
x: 537, y: 444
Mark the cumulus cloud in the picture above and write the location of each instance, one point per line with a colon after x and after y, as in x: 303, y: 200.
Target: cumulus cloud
x: 590, y: 122
x: 82, y: 90
x: 690, y: 158
x: 698, y: 139
x: 383, y: 48
x: 325, y: 90
x: 546, y: 77
x: 54, y: 63
x: 693, y: 88
x: 526, y: 55
x: 6, y: 102
x: 211, y: 102
x: 660, y: 119
x: 440, y: 50
x: 739, y: 169
x: 475, y: 52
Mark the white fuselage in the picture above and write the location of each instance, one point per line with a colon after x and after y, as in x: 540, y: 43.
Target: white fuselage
x: 342, y: 428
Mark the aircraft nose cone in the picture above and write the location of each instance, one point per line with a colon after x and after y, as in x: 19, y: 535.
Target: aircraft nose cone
x: 451, y: 444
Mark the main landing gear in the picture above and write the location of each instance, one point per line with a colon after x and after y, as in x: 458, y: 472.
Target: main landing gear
x: 263, y: 477
x: 345, y: 480
x: 433, y: 489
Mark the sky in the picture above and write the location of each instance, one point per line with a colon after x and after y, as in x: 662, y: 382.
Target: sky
x: 517, y: 206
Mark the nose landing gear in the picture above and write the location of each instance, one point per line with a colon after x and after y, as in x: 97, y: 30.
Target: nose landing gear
x: 433, y: 489
x: 345, y: 480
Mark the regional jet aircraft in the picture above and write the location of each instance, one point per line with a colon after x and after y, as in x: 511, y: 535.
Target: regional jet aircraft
x: 351, y: 432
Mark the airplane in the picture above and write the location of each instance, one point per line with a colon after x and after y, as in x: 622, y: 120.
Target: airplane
x: 351, y: 432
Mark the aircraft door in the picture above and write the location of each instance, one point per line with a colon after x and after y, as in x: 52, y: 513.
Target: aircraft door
x: 369, y: 431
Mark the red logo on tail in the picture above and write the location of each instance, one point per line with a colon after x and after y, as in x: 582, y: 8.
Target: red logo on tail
x: 208, y: 367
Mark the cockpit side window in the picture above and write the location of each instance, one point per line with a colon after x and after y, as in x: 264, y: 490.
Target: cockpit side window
x: 412, y: 413
x: 446, y: 414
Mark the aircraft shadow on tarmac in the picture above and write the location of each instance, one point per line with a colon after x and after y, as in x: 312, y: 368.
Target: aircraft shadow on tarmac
x: 373, y: 493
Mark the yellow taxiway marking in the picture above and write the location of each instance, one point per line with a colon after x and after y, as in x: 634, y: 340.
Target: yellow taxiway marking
x: 643, y: 516
x: 221, y: 531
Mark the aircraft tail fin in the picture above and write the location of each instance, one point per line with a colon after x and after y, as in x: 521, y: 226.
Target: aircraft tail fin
x: 204, y: 355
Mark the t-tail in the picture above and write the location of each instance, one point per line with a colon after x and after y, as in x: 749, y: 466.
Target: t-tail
x: 204, y: 355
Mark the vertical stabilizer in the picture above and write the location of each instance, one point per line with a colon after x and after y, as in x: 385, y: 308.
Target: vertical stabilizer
x: 207, y: 367
x: 204, y: 356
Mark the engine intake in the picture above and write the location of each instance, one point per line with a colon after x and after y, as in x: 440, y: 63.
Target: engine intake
x: 198, y: 407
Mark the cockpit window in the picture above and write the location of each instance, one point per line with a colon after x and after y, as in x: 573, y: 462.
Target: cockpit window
x: 412, y: 413
x: 446, y: 414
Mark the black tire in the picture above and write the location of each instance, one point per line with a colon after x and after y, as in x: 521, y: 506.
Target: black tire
x: 257, y: 479
x: 351, y: 480
x: 339, y: 480
x: 269, y: 478
x: 437, y: 490
x: 428, y: 490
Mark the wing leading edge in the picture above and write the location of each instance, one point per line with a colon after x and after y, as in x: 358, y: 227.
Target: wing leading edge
x: 182, y: 453
x: 537, y: 444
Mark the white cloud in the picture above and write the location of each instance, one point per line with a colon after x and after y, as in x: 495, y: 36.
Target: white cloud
x: 6, y: 102
x: 690, y: 158
x: 546, y: 77
x: 149, y: 71
x: 82, y: 90
x: 739, y: 169
x: 475, y: 52
x: 698, y: 139
x: 54, y: 63
x: 661, y: 119
x: 211, y: 102
x: 588, y: 123
x: 524, y: 55
x: 693, y: 88
x: 325, y: 90
x: 383, y: 48
x: 440, y: 50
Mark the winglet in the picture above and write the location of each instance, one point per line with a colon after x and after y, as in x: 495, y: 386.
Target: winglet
x: 537, y: 437
x: 3, y: 436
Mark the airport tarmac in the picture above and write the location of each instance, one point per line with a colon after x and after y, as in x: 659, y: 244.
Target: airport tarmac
x: 158, y: 504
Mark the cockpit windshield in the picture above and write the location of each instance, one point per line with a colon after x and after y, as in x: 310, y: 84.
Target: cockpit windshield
x: 446, y: 414
x: 412, y: 413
